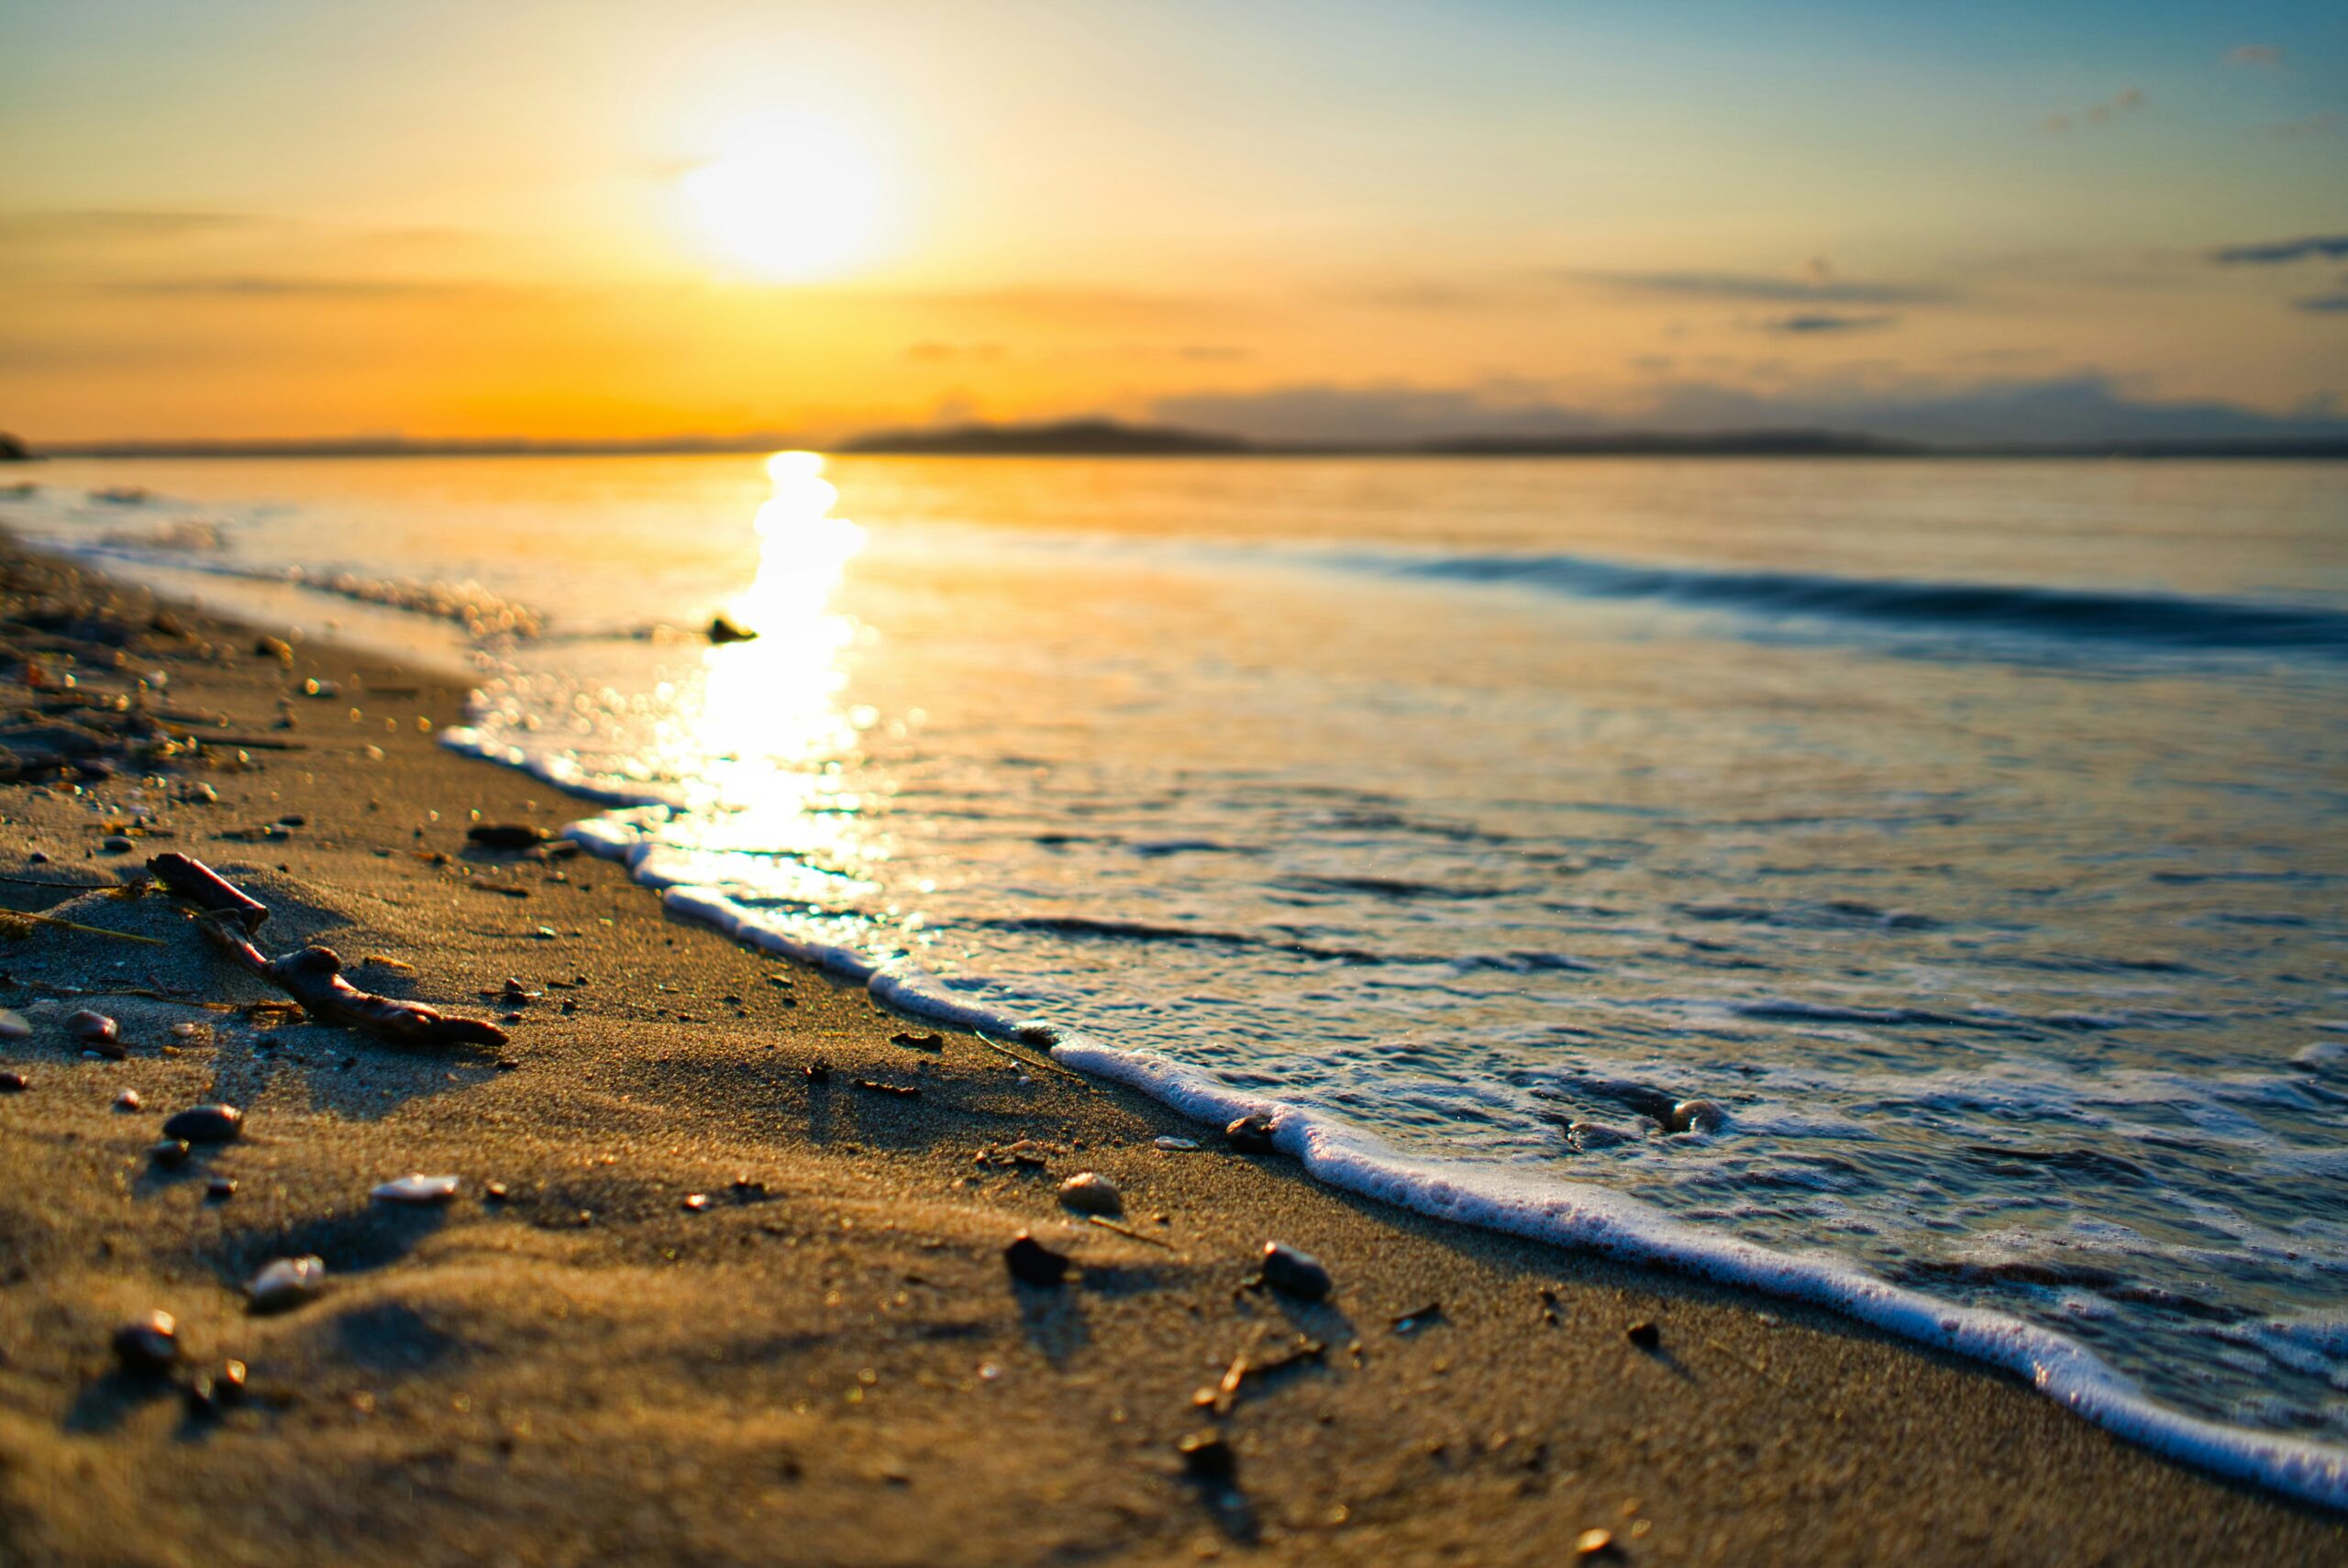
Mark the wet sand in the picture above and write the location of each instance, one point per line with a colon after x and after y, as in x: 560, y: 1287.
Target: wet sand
x: 827, y: 1362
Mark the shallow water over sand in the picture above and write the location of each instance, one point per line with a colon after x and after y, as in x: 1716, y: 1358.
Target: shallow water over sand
x: 1968, y: 833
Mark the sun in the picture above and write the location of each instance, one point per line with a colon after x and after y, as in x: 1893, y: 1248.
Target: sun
x: 792, y: 201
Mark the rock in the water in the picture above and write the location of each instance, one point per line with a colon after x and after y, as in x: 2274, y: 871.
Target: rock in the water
x: 1643, y: 1334
x: 14, y: 1083
x: 1089, y: 1192
x: 1585, y: 1136
x: 286, y: 1284
x: 1296, y: 1273
x: 1250, y: 1134
x: 1697, y: 1116
x: 206, y: 1124
x: 1032, y: 1262
x: 93, y: 1028
x: 1208, y: 1456
x: 148, y: 1343
x: 171, y: 1152
x: 419, y: 1189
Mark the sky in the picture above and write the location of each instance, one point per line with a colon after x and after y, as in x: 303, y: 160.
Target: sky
x: 582, y: 219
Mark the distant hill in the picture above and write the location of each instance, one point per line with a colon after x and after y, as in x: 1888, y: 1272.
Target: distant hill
x: 12, y: 451
x: 1072, y: 437
x: 1672, y: 443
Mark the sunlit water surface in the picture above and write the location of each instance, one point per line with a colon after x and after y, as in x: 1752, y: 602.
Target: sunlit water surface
x: 1972, y: 833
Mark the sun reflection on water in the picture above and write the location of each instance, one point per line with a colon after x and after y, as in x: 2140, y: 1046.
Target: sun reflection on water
x: 764, y: 746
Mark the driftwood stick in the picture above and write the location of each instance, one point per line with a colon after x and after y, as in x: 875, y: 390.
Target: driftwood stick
x: 76, y: 925
x: 313, y: 977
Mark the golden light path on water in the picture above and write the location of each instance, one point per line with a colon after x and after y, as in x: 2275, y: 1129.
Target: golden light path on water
x: 760, y: 745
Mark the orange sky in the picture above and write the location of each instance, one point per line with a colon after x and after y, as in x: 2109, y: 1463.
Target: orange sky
x: 255, y: 217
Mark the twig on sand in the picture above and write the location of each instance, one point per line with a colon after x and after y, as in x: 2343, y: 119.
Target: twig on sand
x: 1048, y: 1066
x: 1108, y: 1224
x: 313, y: 977
x: 77, y: 925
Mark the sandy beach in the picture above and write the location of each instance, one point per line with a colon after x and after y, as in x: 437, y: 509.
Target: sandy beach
x: 739, y: 1291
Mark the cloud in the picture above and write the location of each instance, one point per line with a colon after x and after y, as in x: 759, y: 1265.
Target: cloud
x: 2323, y: 122
x: 2324, y: 304
x: 1768, y: 289
x: 118, y: 223
x: 2126, y: 102
x: 937, y: 353
x: 2086, y: 408
x: 1825, y: 322
x: 2330, y: 247
x: 262, y: 287
x: 2265, y: 55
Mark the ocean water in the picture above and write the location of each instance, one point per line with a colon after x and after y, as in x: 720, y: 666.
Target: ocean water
x: 1971, y: 836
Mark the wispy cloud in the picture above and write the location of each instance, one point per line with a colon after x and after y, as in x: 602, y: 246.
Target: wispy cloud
x: 2329, y: 247
x: 2126, y: 102
x: 2324, y: 304
x: 103, y: 225
x: 1806, y: 322
x: 291, y: 288
x: 1818, y: 288
x: 2323, y: 122
x: 2265, y: 56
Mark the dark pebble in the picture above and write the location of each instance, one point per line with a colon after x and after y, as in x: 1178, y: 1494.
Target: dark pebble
x: 115, y: 843
x: 1208, y: 1456
x: 14, y: 1083
x: 919, y: 1041
x: 819, y: 1072
x: 1032, y: 1262
x: 1296, y: 1273
x: 1643, y: 1334
x: 171, y: 1153
x: 147, y: 1344
x: 1250, y: 1134
x: 215, y: 1394
x: 93, y: 1028
x: 206, y: 1124
x: 220, y: 1188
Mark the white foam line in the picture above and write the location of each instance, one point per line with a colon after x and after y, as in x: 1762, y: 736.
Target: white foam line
x: 1574, y: 1215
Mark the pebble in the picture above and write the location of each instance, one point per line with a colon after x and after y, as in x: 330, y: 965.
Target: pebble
x: 171, y: 1153
x: 220, y: 1188
x: 1089, y: 1192
x: 12, y: 1025
x: 1206, y: 1454
x: 14, y: 1083
x: 206, y: 1124
x: 1643, y: 1334
x: 695, y: 1202
x: 419, y: 1189
x: 128, y: 1100
x: 1296, y: 1273
x: 1587, y: 1135
x: 1176, y: 1145
x: 148, y: 1343
x: 93, y: 1028
x: 918, y: 1041
x: 1032, y: 1262
x: 286, y: 1284
x: 1250, y: 1134
x: 1697, y: 1116
x: 1591, y: 1542
x: 215, y: 1394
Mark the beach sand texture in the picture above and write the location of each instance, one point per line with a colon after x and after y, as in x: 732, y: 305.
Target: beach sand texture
x: 827, y: 1360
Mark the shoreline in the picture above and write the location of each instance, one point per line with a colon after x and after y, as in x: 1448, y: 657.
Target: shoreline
x: 808, y: 1358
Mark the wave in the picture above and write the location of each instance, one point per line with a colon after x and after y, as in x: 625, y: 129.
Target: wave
x: 2071, y: 614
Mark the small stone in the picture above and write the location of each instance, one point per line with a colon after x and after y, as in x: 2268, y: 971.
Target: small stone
x: 1697, y: 1116
x: 819, y: 1072
x: 14, y: 1083
x: 93, y: 1028
x: 1585, y: 1136
x: 1089, y: 1192
x: 918, y: 1041
x: 1296, y: 1273
x: 1643, y: 1334
x: 206, y: 1124
x: 1176, y: 1145
x: 286, y: 1284
x: 171, y: 1153
x: 1593, y: 1542
x: 147, y: 1344
x: 214, y: 1394
x: 115, y: 843
x: 495, y: 1192
x: 12, y: 1025
x: 1250, y: 1134
x: 128, y: 1100
x: 695, y: 1202
x: 420, y: 1189
x: 1207, y: 1456
x: 1032, y: 1262
x: 220, y: 1188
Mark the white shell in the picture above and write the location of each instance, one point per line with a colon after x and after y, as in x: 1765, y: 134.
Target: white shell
x: 419, y: 1189
x: 1178, y: 1145
x: 286, y: 1283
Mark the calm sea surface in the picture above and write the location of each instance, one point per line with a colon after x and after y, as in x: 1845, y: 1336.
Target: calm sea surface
x: 1972, y: 835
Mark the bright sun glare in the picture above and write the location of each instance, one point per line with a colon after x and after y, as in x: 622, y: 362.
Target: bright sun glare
x: 792, y: 201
